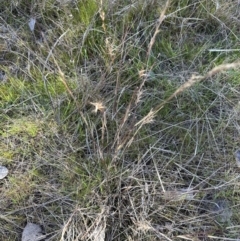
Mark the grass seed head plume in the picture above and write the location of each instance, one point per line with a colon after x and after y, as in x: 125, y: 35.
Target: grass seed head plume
x: 98, y: 107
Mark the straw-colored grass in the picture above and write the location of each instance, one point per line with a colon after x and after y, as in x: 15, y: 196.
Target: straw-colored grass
x: 119, y: 120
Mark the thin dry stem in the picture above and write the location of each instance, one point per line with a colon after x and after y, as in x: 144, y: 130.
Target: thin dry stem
x: 63, y: 80
x: 192, y: 81
x: 160, y: 20
x: 138, y: 92
x: 121, y: 141
x: 102, y: 16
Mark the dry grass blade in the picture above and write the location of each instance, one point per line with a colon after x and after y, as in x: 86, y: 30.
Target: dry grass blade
x: 188, y: 237
x: 192, y: 81
x: 160, y: 20
x: 138, y: 91
x: 104, y: 130
x: 220, y: 238
x: 221, y: 68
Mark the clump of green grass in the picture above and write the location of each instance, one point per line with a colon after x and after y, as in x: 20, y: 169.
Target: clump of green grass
x: 114, y: 122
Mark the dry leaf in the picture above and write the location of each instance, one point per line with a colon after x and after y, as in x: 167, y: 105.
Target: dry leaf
x: 31, y: 24
x: 32, y: 232
x: 3, y: 172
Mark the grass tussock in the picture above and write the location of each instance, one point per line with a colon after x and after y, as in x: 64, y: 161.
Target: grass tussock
x: 119, y: 120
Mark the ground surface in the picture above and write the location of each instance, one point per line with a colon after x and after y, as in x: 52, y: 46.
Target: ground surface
x: 119, y: 119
